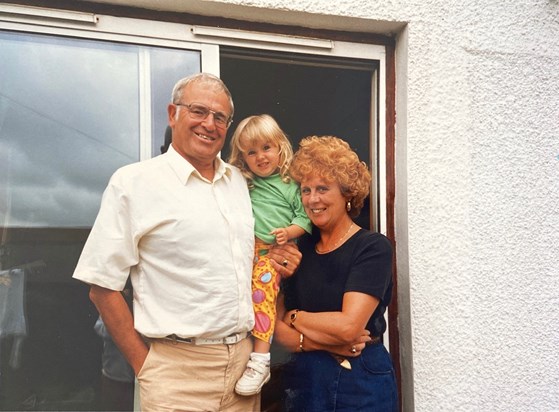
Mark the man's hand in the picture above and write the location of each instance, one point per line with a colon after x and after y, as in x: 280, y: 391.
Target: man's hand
x: 119, y: 322
x: 285, y: 258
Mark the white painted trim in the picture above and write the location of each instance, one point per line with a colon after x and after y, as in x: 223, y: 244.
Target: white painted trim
x: 382, y: 145
x: 210, y: 59
x: 119, y: 29
x: 220, y: 34
x: 17, y: 12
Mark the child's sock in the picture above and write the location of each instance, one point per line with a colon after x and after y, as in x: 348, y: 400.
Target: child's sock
x: 262, y: 357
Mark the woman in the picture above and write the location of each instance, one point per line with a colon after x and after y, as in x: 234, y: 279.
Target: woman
x: 333, y: 307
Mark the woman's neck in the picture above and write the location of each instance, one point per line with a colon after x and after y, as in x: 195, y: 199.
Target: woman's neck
x: 330, y: 240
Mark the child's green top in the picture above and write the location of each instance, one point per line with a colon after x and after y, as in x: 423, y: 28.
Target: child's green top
x: 276, y: 204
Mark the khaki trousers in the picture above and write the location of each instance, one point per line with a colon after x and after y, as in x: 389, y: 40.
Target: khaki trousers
x: 184, y: 377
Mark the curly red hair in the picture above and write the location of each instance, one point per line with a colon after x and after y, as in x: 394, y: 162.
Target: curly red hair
x: 333, y: 160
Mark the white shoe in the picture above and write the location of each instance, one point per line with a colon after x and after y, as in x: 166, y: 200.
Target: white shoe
x: 255, y: 376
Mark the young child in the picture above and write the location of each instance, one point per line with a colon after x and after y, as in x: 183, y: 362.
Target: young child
x: 262, y: 151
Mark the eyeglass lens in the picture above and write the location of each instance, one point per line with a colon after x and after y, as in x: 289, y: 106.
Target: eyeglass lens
x: 199, y: 111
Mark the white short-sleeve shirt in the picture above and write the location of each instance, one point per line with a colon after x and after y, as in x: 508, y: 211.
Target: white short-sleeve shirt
x: 187, y: 244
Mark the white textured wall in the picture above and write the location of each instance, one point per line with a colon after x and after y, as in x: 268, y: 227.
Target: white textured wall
x: 477, y: 190
x: 482, y: 195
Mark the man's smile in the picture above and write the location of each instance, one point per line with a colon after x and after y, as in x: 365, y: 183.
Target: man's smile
x: 204, y: 137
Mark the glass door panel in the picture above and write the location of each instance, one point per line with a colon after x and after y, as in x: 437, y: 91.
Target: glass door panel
x: 71, y: 113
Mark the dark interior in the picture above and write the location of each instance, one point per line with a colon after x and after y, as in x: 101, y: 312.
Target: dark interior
x: 307, y: 95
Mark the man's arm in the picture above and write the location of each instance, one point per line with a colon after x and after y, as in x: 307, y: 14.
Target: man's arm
x: 118, y: 319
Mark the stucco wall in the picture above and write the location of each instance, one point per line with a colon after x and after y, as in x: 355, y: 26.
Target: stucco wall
x: 482, y: 195
x: 477, y: 194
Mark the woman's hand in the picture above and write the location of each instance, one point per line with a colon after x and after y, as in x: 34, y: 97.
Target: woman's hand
x: 285, y: 258
x: 353, y: 350
x: 339, y: 351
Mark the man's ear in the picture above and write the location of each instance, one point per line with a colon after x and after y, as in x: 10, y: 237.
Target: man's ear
x: 172, y: 114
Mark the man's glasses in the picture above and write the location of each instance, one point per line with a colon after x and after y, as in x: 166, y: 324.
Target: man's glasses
x: 198, y: 111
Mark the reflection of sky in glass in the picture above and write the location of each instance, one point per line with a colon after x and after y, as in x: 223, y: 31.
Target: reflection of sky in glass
x: 69, y: 117
x: 167, y: 67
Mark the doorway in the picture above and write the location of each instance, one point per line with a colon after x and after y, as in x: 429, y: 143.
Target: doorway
x: 307, y: 95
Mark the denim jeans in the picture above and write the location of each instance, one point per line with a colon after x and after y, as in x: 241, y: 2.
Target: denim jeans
x: 315, y: 382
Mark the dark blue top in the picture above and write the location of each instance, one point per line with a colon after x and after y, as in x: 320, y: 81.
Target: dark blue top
x: 362, y: 264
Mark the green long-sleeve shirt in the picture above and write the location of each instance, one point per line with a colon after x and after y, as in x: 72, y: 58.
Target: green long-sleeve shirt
x: 276, y: 204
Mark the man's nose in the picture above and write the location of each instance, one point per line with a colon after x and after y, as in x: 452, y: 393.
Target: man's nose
x: 209, y: 121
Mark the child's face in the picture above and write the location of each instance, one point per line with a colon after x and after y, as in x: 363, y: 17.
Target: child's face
x: 262, y: 159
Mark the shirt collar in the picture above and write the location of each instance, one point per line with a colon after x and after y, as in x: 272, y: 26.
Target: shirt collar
x: 184, y: 170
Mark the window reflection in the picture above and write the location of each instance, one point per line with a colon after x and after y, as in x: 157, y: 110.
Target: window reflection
x: 167, y: 66
x: 69, y: 117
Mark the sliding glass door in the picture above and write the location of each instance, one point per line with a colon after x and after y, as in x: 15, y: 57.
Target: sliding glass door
x: 72, y: 111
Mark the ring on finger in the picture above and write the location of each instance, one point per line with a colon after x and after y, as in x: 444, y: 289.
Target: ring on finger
x: 353, y: 349
x: 285, y: 263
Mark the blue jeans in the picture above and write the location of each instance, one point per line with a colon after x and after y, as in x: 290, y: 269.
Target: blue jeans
x: 315, y: 382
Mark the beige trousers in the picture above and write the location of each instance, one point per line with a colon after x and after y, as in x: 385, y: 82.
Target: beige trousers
x: 184, y: 377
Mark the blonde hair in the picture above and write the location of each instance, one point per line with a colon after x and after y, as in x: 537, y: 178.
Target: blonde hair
x: 260, y: 129
x: 332, y: 159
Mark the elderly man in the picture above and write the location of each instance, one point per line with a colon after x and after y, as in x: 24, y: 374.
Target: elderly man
x: 180, y: 225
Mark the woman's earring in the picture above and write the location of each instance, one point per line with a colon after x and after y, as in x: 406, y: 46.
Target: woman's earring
x: 348, y: 206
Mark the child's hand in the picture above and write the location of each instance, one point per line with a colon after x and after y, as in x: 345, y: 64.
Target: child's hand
x: 281, y: 235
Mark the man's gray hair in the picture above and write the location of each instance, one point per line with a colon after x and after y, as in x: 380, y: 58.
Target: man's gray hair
x: 207, y: 78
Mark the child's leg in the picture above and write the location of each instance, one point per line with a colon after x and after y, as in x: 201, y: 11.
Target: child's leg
x: 261, y: 352
x: 261, y: 346
x: 265, y: 287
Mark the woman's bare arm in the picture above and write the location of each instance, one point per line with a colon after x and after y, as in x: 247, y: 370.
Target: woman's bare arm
x: 337, y: 328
